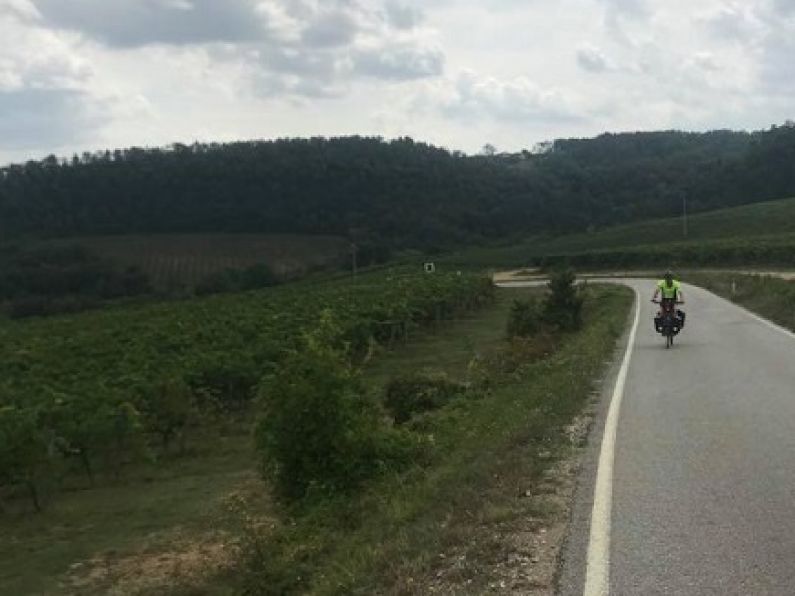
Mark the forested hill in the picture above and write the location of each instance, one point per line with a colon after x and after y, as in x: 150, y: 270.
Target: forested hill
x: 400, y: 193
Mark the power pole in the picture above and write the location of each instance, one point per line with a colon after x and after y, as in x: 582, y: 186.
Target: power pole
x: 354, y: 248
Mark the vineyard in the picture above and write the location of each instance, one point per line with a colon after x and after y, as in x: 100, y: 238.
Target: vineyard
x: 773, y: 250
x: 177, y: 260
x: 762, y: 234
x: 748, y: 222
x: 90, y: 394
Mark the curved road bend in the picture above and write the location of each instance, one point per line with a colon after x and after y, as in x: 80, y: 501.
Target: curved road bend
x: 703, y: 483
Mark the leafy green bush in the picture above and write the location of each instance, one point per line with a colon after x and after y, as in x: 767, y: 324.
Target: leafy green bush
x: 320, y: 433
x: 524, y: 318
x: 171, y: 407
x: 225, y: 382
x: 411, y: 394
x: 563, y: 306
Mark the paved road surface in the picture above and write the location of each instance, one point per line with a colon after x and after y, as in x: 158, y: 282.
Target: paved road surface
x: 703, y: 483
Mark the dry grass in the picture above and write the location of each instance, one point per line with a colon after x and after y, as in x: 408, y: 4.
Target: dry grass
x: 186, y: 565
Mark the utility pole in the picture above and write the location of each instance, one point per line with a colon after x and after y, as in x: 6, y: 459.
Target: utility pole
x: 354, y: 248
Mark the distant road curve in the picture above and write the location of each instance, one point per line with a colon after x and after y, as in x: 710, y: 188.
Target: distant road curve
x: 702, y: 487
x: 524, y: 275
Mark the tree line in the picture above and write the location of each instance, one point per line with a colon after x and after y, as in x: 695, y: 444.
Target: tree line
x: 397, y: 194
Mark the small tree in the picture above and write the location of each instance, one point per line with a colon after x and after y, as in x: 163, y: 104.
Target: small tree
x: 524, y: 319
x: 319, y: 432
x: 563, y: 306
x: 128, y: 441
x: 82, y: 426
x: 25, y: 451
x: 90, y: 427
x: 170, y: 408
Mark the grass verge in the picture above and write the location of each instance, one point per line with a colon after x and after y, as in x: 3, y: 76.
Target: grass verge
x: 136, y: 534
x: 766, y: 295
x: 489, y: 454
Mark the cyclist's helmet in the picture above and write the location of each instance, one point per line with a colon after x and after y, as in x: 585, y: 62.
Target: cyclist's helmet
x: 669, y: 276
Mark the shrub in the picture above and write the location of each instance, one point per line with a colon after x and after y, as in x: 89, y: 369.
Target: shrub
x: 225, y: 382
x: 524, y: 319
x: 319, y: 433
x: 411, y: 394
x: 217, y: 283
x: 563, y: 306
x: 171, y: 408
x: 257, y: 276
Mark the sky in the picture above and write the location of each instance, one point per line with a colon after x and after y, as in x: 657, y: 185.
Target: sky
x: 79, y: 75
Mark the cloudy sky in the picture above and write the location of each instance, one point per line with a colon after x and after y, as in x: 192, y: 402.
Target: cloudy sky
x: 88, y: 74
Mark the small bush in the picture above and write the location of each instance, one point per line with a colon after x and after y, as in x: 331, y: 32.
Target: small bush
x: 225, y: 383
x: 171, y: 408
x: 319, y: 433
x: 563, y: 306
x: 524, y: 319
x: 414, y: 393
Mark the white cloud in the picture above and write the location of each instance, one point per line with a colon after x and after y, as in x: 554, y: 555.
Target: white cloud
x: 592, y: 59
x: 734, y: 22
x: 331, y: 29
x: 456, y: 72
x: 402, y: 16
x: 470, y: 96
x: 38, y: 58
x: 400, y: 61
x: 45, y: 103
x: 55, y: 119
x: 131, y: 23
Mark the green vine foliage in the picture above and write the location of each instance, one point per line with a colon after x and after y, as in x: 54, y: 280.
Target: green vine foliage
x: 93, y: 392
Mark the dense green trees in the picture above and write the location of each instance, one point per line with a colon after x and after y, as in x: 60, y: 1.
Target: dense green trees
x: 394, y: 194
x: 61, y: 279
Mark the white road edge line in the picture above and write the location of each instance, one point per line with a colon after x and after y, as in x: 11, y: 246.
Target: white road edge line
x: 771, y: 324
x: 597, y: 574
x: 753, y: 315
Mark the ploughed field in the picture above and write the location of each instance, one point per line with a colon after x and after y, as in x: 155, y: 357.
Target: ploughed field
x: 184, y: 260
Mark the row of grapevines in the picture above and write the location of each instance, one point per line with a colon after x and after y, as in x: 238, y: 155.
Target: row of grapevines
x: 96, y: 389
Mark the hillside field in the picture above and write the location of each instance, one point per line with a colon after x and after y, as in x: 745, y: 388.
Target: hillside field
x: 759, y: 234
x: 183, y: 260
x: 746, y: 222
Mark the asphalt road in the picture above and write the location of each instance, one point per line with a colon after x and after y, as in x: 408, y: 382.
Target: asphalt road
x: 703, y: 477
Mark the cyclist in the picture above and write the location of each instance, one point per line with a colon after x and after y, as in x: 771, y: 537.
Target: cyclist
x: 669, y: 290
